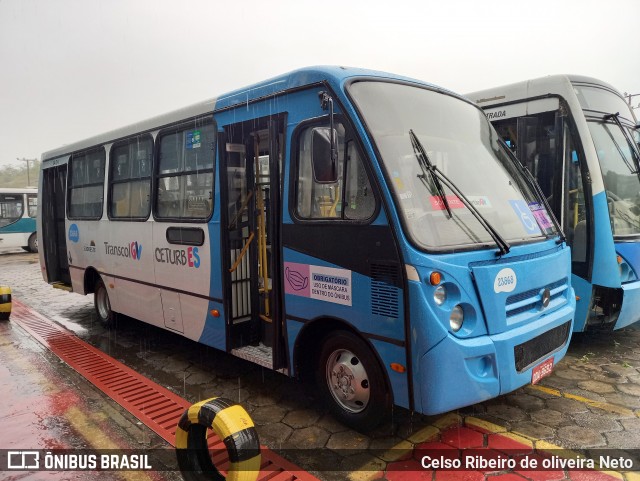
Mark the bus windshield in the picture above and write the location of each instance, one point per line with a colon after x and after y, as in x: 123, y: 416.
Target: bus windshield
x: 611, y: 124
x: 620, y: 175
x: 598, y: 99
x: 461, y: 143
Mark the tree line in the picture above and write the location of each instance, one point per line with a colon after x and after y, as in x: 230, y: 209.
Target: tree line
x: 16, y: 176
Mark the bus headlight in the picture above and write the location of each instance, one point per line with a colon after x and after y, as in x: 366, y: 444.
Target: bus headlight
x: 456, y: 318
x: 440, y: 295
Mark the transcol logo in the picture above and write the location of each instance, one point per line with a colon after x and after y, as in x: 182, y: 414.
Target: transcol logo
x: 132, y: 251
x: 136, y: 250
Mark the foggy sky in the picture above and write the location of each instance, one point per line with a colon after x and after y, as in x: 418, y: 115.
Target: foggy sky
x: 70, y: 69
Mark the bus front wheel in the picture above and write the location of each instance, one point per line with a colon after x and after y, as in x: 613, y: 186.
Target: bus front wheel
x: 352, y: 382
x: 102, y: 305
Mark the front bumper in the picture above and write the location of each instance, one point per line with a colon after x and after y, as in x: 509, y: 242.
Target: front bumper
x: 630, y: 311
x: 460, y: 372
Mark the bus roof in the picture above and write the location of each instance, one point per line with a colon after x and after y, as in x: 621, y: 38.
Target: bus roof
x: 551, y: 84
x: 333, y: 75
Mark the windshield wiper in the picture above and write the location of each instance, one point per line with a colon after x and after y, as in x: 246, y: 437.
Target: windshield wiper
x: 437, y: 177
x: 427, y: 167
x: 526, y: 173
x: 635, y: 154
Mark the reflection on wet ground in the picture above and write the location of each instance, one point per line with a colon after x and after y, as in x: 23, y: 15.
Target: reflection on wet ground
x: 47, y: 408
x: 17, y: 256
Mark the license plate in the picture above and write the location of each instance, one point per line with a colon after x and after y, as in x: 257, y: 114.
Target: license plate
x: 542, y: 370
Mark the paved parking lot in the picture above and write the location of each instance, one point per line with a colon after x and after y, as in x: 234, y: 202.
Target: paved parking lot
x: 592, y: 401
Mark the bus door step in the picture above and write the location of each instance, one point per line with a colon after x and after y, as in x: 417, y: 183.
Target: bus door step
x: 261, y: 355
x: 62, y: 286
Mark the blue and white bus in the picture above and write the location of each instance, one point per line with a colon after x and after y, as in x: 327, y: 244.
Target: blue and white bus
x: 357, y: 228
x: 18, y: 212
x: 579, y: 138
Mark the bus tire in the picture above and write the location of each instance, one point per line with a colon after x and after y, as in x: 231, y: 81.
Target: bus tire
x: 33, y: 243
x: 102, y: 305
x: 234, y: 427
x: 352, y: 382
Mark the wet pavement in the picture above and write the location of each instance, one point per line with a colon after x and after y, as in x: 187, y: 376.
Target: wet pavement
x: 48, y: 407
x: 592, y: 401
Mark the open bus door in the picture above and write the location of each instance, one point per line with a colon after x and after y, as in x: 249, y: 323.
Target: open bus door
x: 54, y: 233
x: 251, y: 221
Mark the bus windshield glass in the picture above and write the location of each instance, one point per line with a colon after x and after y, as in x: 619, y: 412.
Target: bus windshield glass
x: 460, y: 142
x: 618, y: 156
x: 620, y: 175
x: 602, y: 100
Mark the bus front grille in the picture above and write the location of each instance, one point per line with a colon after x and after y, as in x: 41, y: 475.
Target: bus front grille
x: 533, y: 350
x: 531, y: 300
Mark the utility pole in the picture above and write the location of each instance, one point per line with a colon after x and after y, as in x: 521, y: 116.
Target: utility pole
x: 629, y: 97
x: 27, y: 161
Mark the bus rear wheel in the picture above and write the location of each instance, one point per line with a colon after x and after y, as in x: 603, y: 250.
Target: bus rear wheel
x: 102, y: 305
x: 352, y: 382
x: 33, y: 243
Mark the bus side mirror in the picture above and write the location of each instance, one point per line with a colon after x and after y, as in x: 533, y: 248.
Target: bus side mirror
x: 324, y: 155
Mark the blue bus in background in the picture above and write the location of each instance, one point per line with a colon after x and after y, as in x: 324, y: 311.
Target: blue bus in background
x: 580, y: 139
x: 18, y: 212
x: 356, y: 228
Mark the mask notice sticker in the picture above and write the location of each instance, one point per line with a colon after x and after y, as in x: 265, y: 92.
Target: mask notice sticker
x: 326, y: 284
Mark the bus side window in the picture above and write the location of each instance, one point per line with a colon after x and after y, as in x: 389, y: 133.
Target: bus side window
x: 86, y: 186
x: 360, y: 204
x: 318, y: 200
x: 32, y: 205
x: 186, y: 156
x: 130, y: 178
x: 10, y: 208
x: 349, y: 198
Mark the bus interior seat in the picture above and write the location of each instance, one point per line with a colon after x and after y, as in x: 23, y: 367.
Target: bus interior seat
x: 122, y: 208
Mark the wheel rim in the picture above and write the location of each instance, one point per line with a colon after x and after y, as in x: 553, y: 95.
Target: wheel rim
x: 102, y: 301
x: 348, y: 380
x: 35, y: 243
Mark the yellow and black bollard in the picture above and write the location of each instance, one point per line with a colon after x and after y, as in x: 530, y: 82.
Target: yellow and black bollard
x: 233, y: 425
x: 5, y: 303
